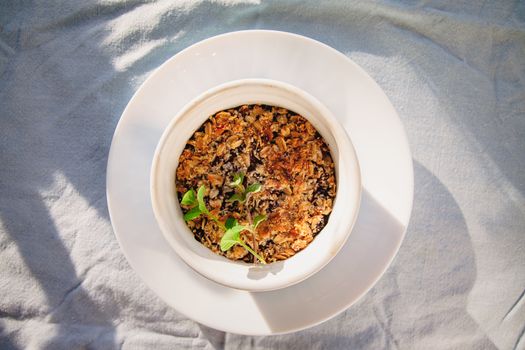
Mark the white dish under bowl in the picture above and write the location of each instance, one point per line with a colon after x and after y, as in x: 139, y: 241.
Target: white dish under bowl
x: 359, y: 105
x: 241, y: 275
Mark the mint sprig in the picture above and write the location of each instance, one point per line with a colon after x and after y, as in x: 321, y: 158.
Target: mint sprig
x: 197, y: 205
x: 238, y: 179
x: 232, y: 235
x: 241, y: 193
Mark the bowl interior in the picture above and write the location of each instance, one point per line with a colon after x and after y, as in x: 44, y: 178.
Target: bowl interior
x: 239, y: 274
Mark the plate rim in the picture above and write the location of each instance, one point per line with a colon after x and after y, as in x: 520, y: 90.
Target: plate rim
x: 153, y: 75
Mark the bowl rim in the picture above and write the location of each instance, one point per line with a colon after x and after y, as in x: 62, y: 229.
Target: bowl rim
x: 185, y: 253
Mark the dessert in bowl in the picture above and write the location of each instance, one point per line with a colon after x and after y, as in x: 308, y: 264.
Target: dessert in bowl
x: 255, y: 184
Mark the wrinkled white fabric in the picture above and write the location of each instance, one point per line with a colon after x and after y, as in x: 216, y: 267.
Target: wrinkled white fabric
x: 453, y: 69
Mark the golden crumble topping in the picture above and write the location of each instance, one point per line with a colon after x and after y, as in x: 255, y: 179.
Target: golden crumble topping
x: 271, y: 146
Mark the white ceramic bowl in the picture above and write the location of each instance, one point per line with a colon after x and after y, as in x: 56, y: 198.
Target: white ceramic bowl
x: 241, y: 275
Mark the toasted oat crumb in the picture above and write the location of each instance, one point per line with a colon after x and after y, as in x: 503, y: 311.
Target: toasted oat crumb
x: 276, y: 148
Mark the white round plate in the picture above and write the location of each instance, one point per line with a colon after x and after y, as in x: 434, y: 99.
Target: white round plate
x: 354, y: 99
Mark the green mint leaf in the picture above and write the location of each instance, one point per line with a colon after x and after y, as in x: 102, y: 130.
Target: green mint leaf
x: 254, y: 188
x: 200, y: 199
x: 192, y: 214
x: 258, y: 219
x: 227, y: 244
x: 230, y: 222
x: 189, y: 198
x: 238, y: 178
x: 237, y: 197
x: 231, y: 237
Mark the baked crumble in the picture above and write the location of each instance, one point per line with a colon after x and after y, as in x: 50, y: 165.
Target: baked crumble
x: 272, y: 146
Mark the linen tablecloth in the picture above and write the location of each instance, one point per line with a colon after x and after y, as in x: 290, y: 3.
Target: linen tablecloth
x: 453, y: 69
